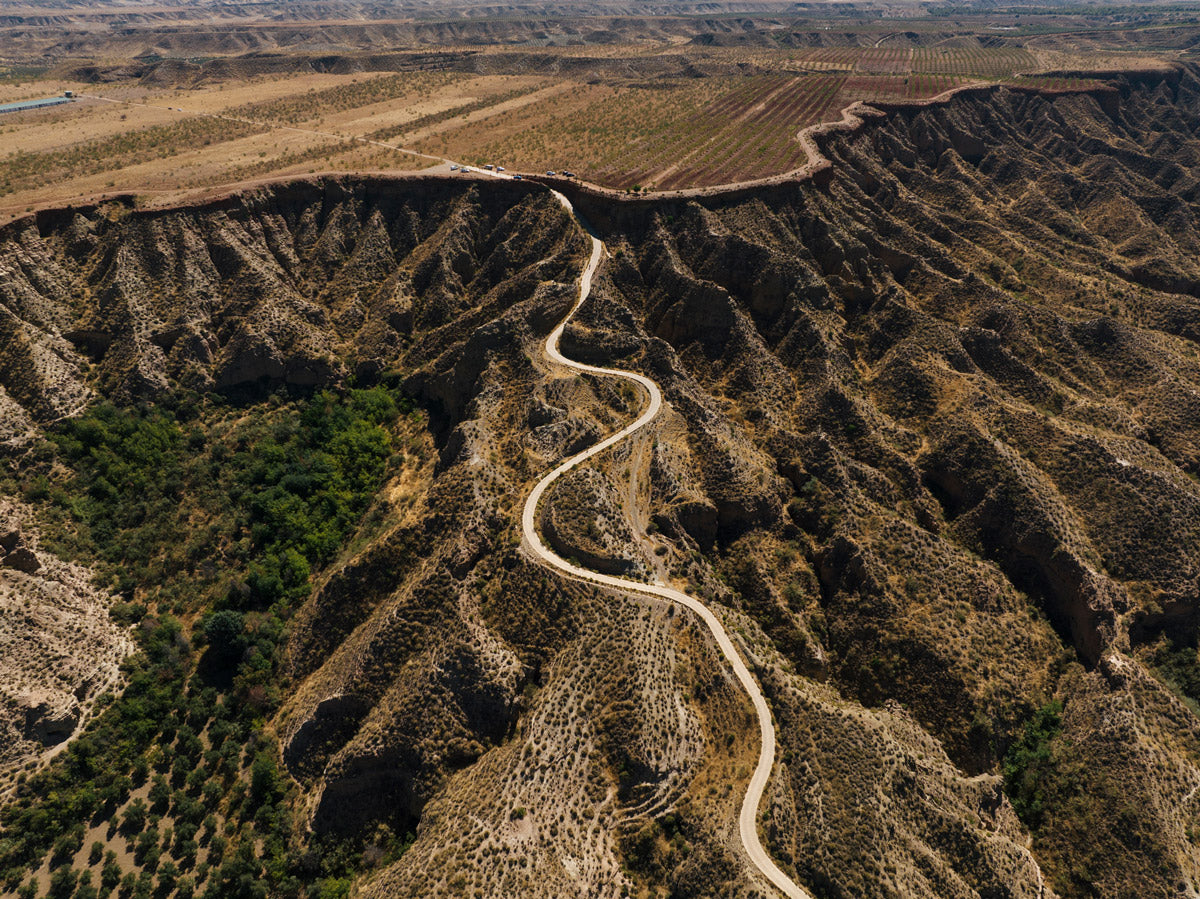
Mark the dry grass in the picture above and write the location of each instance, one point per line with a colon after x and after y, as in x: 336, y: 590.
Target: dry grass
x: 615, y: 128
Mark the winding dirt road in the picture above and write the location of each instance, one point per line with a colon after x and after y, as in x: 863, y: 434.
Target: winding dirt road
x: 747, y: 820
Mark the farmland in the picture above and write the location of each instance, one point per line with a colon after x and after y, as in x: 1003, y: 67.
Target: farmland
x: 686, y: 132
x: 716, y: 116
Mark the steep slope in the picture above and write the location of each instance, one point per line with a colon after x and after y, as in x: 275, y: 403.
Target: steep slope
x: 929, y: 449
x: 970, y: 375
x: 62, y: 649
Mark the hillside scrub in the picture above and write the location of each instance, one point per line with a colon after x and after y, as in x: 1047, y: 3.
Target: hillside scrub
x: 278, y: 487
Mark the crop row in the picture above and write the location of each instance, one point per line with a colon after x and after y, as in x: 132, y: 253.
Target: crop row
x: 591, y: 129
x: 677, y: 129
x: 889, y: 88
x: 847, y: 57
x: 891, y: 60
x: 701, y: 127
x: 764, y: 142
x: 437, y: 118
x: 922, y: 86
x: 23, y: 168
x: 293, y: 110
x: 726, y: 116
x: 972, y: 62
x: 863, y: 59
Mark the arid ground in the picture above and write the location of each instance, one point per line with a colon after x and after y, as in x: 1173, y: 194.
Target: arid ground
x: 905, y: 301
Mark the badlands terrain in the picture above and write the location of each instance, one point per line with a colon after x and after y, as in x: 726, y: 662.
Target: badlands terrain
x: 919, y: 402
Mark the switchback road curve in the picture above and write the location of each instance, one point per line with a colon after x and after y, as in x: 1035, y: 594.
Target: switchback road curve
x: 748, y: 819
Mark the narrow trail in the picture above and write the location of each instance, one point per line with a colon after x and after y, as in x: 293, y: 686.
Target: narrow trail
x: 748, y: 818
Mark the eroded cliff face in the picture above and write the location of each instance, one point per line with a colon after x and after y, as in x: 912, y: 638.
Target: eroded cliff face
x: 972, y: 381
x: 930, y: 449
x: 62, y: 650
x: 301, y: 285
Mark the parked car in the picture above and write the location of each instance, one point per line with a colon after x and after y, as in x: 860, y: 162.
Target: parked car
x: 567, y: 174
x: 550, y: 173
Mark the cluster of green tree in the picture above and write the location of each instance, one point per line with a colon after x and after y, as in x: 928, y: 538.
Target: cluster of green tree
x: 98, y: 770
x: 1031, y: 764
x: 276, y: 488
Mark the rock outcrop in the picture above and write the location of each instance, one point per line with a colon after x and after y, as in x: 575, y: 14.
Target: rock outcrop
x: 61, y: 648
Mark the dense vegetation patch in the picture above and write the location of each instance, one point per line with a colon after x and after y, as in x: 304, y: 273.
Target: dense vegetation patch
x: 1030, y: 764
x: 211, y: 521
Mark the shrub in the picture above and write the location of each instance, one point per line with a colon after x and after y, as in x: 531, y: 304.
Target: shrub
x: 1030, y: 763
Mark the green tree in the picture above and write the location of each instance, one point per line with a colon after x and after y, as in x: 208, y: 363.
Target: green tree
x: 145, y: 847
x: 168, y: 875
x: 85, y: 890
x: 62, y: 882
x: 1029, y: 764
x: 264, y: 780
x: 224, y: 631
x: 110, y: 875
x: 159, y: 795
